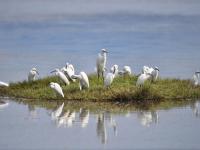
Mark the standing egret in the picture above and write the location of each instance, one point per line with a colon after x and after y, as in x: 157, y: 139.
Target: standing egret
x: 83, y: 80
x: 32, y: 74
x: 195, y: 78
x: 57, y: 88
x: 110, y: 76
x: 101, y: 63
x: 126, y: 71
x: 142, y: 78
x: 55, y: 114
x: 155, y: 73
x: 68, y: 70
x: 62, y: 76
x: 4, y: 84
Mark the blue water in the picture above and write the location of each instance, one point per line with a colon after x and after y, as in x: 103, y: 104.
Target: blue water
x: 170, y: 42
x: 31, y: 127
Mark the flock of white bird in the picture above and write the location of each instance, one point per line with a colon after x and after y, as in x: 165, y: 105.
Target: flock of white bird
x: 67, y: 74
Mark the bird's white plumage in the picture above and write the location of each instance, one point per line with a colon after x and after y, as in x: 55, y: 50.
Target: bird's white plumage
x: 110, y: 76
x: 195, y: 79
x: 83, y: 80
x: 153, y: 71
x: 4, y: 84
x: 101, y: 62
x: 62, y: 76
x: 32, y: 74
x: 142, y: 78
x: 57, y: 88
x: 69, y: 70
x: 126, y: 71
x: 55, y: 114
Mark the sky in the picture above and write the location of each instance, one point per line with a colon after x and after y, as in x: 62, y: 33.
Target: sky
x: 41, y: 10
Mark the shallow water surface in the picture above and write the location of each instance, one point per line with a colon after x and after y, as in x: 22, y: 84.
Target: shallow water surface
x: 29, y: 127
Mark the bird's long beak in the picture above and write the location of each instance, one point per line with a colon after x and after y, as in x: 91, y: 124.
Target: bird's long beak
x: 53, y: 71
x: 197, y: 72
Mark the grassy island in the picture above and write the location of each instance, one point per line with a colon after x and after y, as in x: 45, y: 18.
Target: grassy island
x: 122, y: 90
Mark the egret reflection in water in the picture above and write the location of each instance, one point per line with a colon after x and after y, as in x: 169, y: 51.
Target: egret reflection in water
x: 102, y: 120
x: 146, y: 118
x: 195, y: 108
x: 32, y: 112
x: 84, y: 115
x: 3, y: 104
x: 67, y: 119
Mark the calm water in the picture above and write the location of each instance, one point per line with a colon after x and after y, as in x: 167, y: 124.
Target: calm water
x: 28, y: 127
x: 170, y: 42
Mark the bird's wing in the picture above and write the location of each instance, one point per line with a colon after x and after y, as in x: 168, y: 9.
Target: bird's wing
x: 59, y: 89
x: 64, y: 78
x: 85, y: 79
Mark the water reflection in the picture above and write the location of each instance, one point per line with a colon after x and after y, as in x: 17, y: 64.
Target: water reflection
x: 84, y: 115
x: 3, y: 104
x: 67, y: 119
x: 147, y: 118
x: 32, y: 112
x: 195, y: 109
x: 102, y: 120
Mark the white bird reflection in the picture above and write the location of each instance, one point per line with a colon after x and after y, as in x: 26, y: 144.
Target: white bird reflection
x: 32, y: 112
x: 195, y: 108
x: 101, y: 129
x: 56, y: 113
x: 102, y: 119
x: 67, y: 119
x: 84, y: 115
x: 3, y: 104
x: 147, y: 118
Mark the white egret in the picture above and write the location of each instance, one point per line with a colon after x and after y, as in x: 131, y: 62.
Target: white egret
x: 83, y: 80
x: 56, y: 114
x: 155, y: 73
x: 101, y: 63
x: 126, y: 71
x: 32, y: 74
x: 4, y: 84
x: 110, y: 76
x: 195, y: 79
x: 57, y: 88
x: 61, y: 75
x: 142, y: 78
x: 68, y: 70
